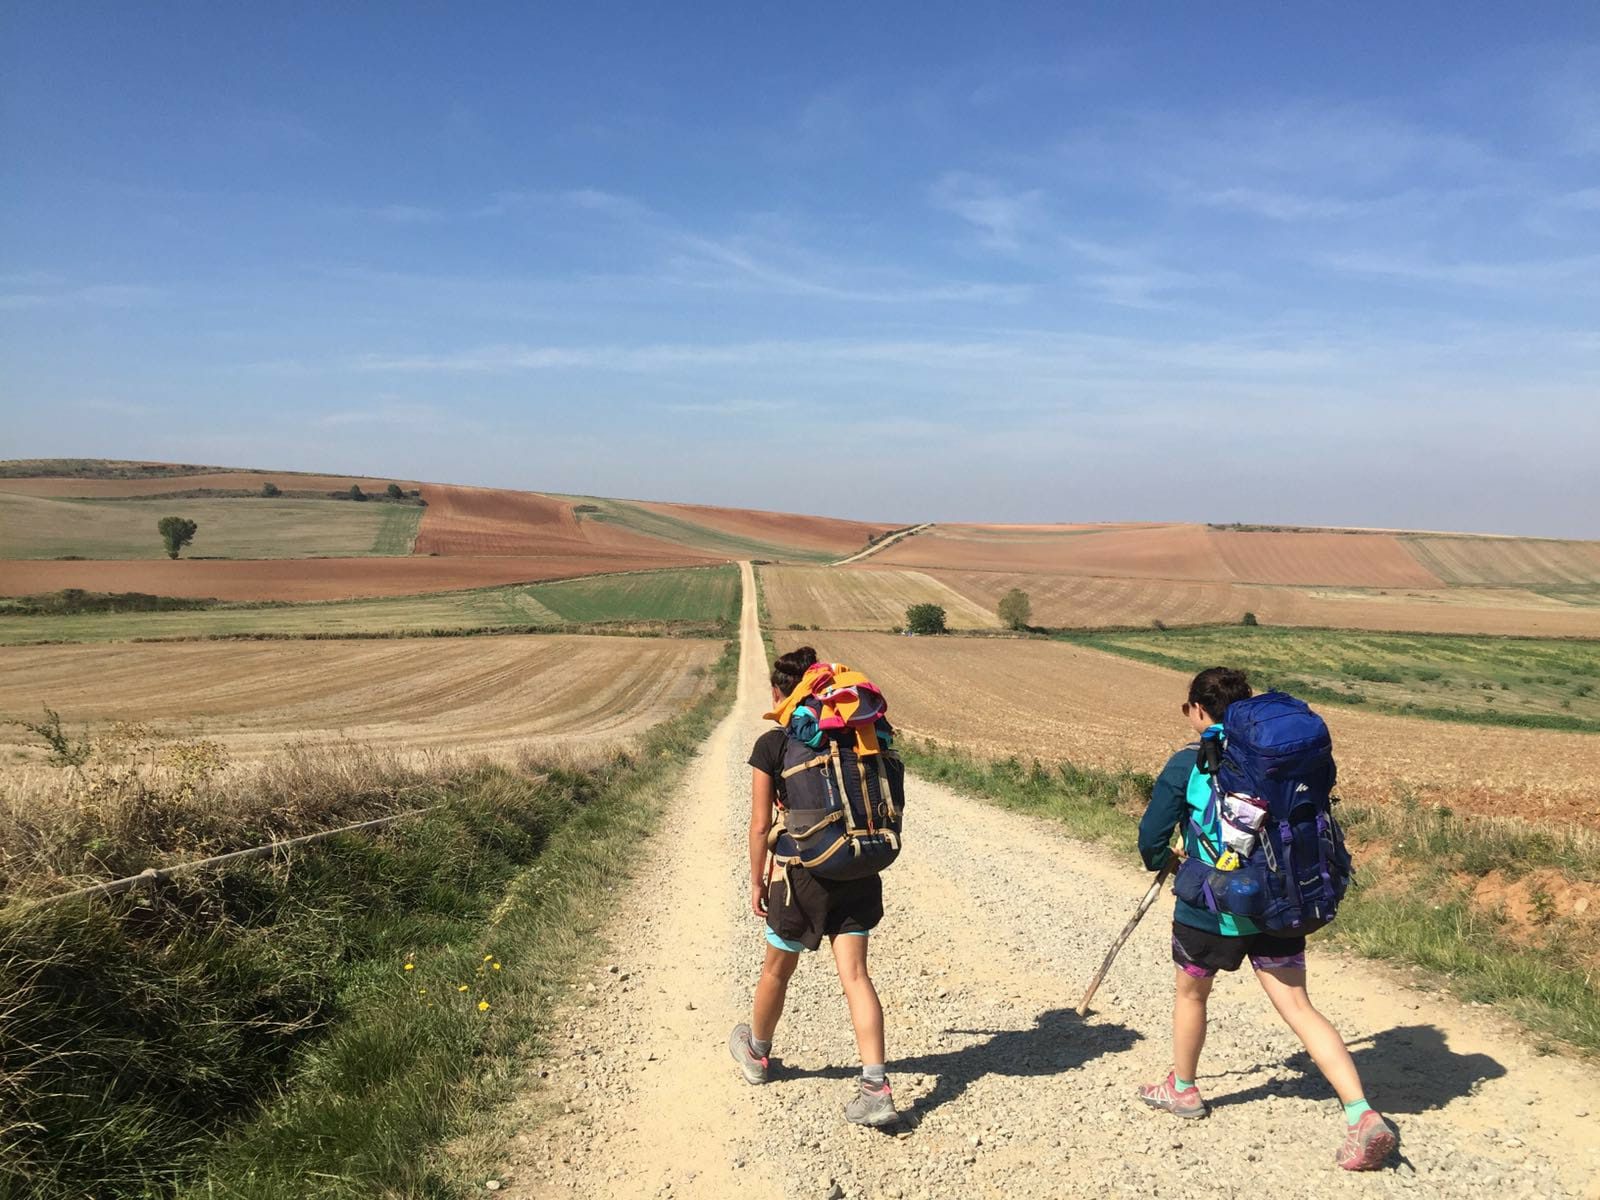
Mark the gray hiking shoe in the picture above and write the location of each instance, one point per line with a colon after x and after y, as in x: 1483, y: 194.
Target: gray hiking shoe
x: 873, y: 1105
x: 752, y: 1064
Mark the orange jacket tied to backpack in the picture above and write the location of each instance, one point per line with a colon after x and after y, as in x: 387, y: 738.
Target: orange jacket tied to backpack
x: 832, y: 697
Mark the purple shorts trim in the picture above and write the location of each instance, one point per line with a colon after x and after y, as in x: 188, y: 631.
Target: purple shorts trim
x: 1261, y: 962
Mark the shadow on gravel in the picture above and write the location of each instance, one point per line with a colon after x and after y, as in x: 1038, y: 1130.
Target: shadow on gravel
x: 1408, y: 1069
x: 1059, y: 1041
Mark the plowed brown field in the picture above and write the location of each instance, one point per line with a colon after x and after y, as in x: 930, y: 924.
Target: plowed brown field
x: 1052, y: 701
x: 828, y: 534
x: 1340, y: 559
x: 1148, y: 552
x: 1071, y: 601
x: 1509, y: 561
x: 472, y: 694
x: 491, y: 521
x: 305, y: 578
x: 232, y: 481
x: 844, y: 598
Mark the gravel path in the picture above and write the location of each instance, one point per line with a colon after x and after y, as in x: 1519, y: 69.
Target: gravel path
x: 994, y: 923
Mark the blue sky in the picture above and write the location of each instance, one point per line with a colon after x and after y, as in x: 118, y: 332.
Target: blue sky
x: 1323, y: 263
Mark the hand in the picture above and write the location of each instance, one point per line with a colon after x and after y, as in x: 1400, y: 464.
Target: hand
x: 758, y: 899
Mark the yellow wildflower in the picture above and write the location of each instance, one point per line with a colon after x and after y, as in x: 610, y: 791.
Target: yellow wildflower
x: 488, y: 958
x: 483, y: 1006
x: 411, y: 966
x: 496, y: 966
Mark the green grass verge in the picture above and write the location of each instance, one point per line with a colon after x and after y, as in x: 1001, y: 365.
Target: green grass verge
x: 36, y: 527
x: 254, y: 1033
x: 700, y: 600
x: 1418, y: 911
x: 1527, y: 683
x: 397, y: 533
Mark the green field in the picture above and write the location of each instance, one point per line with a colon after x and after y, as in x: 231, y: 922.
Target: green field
x: 36, y: 527
x: 1549, y: 683
x: 694, y: 600
x: 688, y: 533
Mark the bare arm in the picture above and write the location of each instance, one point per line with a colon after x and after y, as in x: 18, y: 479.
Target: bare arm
x: 762, y: 797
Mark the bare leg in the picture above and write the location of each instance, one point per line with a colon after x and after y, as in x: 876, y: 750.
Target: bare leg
x: 771, y: 989
x: 1189, y: 1023
x: 866, y: 1014
x: 1286, y: 988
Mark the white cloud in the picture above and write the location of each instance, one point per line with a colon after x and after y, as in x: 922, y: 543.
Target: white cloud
x: 1004, y: 217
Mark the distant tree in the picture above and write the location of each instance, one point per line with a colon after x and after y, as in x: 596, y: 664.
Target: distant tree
x: 270, y: 489
x: 176, y: 533
x: 395, y: 492
x: 1015, y: 609
x: 1249, y: 619
x: 356, y: 493
x: 925, y: 618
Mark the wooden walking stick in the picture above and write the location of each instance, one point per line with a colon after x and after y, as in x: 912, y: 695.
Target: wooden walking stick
x: 1127, y: 930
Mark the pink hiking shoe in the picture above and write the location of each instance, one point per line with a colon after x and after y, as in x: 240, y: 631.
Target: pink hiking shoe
x: 1166, y: 1096
x: 1367, y: 1143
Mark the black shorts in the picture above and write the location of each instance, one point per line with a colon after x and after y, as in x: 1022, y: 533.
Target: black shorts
x: 820, y: 908
x: 1202, y: 954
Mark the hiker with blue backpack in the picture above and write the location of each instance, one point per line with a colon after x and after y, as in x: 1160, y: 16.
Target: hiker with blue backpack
x: 826, y: 794
x: 1263, y: 865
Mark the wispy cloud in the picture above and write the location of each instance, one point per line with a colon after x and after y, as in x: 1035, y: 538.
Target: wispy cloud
x: 1579, y: 271
x: 1004, y: 217
x: 46, y: 292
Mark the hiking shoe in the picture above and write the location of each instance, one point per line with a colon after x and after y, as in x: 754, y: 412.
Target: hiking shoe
x: 1367, y: 1143
x: 873, y: 1105
x: 752, y: 1064
x: 1166, y: 1096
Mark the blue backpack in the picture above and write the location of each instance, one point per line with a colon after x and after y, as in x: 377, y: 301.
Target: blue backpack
x: 1272, y: 795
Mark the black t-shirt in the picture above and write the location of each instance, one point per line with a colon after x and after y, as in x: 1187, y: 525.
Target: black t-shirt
x: 767, y: 755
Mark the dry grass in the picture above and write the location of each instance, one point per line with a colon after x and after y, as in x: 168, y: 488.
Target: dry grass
x: 869, y: 598
x: 1094, y: 602
x: 490, y: 695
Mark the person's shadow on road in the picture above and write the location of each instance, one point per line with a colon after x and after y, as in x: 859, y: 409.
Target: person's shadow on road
x: 1408, y: 1069
x: 1060, y: 1040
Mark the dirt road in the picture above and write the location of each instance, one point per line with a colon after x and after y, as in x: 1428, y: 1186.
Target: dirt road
x: 994, y: 923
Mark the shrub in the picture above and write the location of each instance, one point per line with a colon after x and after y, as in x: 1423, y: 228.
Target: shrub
x: 925, y: 619
x: 395, y: 492
x: 356, y: 493
x: 270, y: 489
x: 1015, y: 609
x: 1249, y: 619
x: 176, y: 533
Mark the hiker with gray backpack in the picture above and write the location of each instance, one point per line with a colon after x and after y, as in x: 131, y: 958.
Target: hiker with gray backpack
x: 827, y: 790
x: 1263, y: 864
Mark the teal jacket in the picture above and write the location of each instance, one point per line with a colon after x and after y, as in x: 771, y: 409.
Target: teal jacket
x: 1180, y: 797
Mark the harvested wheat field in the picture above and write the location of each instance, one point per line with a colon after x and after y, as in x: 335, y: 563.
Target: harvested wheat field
x: 1053, y: 701
x: 491, y: 521
x: 305, y: 578
x: 477, y: 694
x: 845, y: 598
x: 161, y: 485
x: 1086, y: 602
x: 1509, y: 561
x: 1147, y: 551
x: 825, y: 535
x: 1377, y: 560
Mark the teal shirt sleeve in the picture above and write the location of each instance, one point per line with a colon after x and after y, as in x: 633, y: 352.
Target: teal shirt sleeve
x: 1167, y: 808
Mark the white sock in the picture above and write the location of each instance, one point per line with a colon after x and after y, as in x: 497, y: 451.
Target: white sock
x: 873, y: 1073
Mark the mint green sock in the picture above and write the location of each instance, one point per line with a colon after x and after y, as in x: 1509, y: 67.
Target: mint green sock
x: 1182, y: 1085
x: 1354, y: 1111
